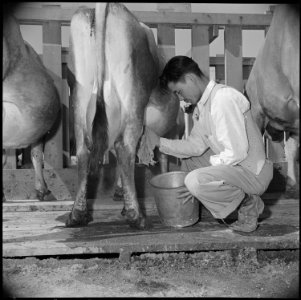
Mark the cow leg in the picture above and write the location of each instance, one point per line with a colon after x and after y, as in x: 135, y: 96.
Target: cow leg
x: 80, y: 215
x: 118, y: 194
x: 42, y: 192
x: 126, y: 151
x: 291, y: 148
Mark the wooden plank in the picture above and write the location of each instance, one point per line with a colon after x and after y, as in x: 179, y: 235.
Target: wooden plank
x: 52, y: 52
x: 213, y: 33
x: 233, y: 57
x: 115, y: 236
x: 106, y: 203
x: 166, y: 46
x: 65, y: 126
x: 214, y: 60
x: 166, y: 40
x: 18, y: 224
x: 33, y: 16
x: 200, y: 54
x: 180, y: 7
x: 200, y: 47
x: 220, y: 61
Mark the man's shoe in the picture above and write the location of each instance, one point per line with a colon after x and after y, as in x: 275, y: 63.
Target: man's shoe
x: 249, y: 224
x: 250, y: 209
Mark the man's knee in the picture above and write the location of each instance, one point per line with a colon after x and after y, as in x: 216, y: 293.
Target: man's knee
x: 194, y: 179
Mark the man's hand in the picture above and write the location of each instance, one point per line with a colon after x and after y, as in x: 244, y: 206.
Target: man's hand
x: 184, y: 194
x: 148, y: 141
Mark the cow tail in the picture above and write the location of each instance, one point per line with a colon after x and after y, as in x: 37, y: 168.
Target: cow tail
x: 100, y: 122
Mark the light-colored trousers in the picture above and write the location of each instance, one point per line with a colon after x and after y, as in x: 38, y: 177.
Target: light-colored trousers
x: 222, y: 188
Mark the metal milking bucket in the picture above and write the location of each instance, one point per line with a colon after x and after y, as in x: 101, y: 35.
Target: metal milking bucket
x: 173, y: 211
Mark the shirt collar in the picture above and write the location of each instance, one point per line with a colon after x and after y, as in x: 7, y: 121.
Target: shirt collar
x: 207, y: 92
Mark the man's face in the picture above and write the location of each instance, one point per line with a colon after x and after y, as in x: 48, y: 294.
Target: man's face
x: 186, y: 89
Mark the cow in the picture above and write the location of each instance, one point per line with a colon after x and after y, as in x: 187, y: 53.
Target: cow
x: 30, y: 101
x: 273, y: 86
x: 116, y: 67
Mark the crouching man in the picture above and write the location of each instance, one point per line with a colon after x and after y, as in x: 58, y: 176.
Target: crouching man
x: 224, y: 153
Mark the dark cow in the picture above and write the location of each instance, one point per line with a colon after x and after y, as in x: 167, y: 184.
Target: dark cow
x: 30, y: 101
x: 116, y: 67
x: 273, y: 85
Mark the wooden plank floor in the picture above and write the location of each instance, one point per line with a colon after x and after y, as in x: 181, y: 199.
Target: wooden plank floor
x: 32, y: 228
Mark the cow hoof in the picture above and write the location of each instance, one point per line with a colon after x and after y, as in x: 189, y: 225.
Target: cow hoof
x: 136, y: 220
x: 78, y: 218
x: 118, y: 195
x: 45, y: 196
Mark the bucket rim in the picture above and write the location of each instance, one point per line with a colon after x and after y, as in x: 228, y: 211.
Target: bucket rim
x: 166, y: 188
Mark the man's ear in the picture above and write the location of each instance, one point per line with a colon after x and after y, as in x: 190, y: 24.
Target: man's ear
x: 189, y: 76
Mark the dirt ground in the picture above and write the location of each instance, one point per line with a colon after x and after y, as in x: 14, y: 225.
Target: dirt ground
x: 204, y: 274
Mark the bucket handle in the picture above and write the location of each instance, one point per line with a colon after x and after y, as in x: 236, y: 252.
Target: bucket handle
x: 191, y: 197
x: 184, y: 193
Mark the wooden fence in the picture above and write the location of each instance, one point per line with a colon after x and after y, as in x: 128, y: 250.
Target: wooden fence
x: 232, y: 68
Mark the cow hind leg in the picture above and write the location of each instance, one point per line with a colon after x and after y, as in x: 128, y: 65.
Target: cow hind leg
x: 291, y: 148
x: 42, y: 192
x: 118, y: 191
x: 80, y: 215
x: 126, y: 151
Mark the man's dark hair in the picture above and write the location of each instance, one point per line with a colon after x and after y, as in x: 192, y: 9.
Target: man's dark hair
x: 178, y: 66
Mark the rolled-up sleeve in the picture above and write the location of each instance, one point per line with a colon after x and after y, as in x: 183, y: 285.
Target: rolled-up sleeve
x: 227, y: 112
x: 193, y: 146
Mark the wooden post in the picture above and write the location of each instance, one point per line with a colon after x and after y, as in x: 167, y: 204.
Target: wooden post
x: 274, y: 151
x: 166, y: 34
x: 213, y: 33
x: 65, y: 118
x: 200, y: 54
x: 178, y: 7
x: 166, y: 40
x: 233, y: 57
x: 166, y: 46
x: 52, y: 53
x: 200, y: 47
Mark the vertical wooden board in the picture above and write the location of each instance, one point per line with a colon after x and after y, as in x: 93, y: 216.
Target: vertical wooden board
x: 200, y: 54
x: 11, y: 159
x: 233, y: 57
x: 52, y: 59
x: 166, y: 43
x: 200, y: 47
x: 65, y: 120
x: 166, y: 40
x: 275, y: 151
x: 220, y: 73
x: 213, y: 33
x: 246, y: 71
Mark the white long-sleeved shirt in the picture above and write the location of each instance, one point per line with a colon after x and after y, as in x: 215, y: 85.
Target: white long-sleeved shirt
x: 227, y: 117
